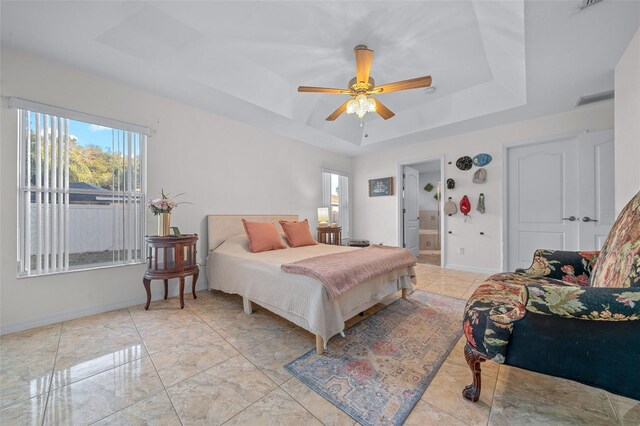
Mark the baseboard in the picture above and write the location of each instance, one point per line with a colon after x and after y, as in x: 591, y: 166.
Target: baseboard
x: 12, y: 328
x: 472, y: 269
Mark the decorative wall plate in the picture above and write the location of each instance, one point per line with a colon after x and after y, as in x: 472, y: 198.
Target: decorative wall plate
x: 482, y: 159
x: 464, y: 163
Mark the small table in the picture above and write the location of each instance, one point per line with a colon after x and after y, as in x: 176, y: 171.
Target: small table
x: 171, y: 257
x: 330, y: 235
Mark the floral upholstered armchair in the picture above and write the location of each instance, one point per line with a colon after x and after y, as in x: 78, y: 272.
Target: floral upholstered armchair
x: 574, y: 315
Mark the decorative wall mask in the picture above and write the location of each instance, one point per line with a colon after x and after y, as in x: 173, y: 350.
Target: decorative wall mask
x: 481, y: 160
x: 464, y: 163
x: 450, y: 207
x: 451, y: 184
x: 480, y: 176
x: 465, y: 207
x: 480, y: 207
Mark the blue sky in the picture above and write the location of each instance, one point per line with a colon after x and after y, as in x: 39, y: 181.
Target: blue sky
x: 91, y: 134
x: 86, y: 134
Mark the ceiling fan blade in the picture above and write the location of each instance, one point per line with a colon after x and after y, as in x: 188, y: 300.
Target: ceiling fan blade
x: 312, y: 89
x: 335, y: 114
x: 364, y: 57
x: 413, y: 83
x: 384, y: 112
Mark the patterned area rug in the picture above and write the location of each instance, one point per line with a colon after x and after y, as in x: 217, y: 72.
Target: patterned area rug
x: 380, y: 370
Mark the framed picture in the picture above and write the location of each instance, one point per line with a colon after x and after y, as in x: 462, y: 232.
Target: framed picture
x: 176, y: 231
x: 381, y: 187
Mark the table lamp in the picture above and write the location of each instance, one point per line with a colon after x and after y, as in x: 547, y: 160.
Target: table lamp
x: 323, y: 217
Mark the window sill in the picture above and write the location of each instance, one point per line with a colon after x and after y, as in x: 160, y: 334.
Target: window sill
x: 81, y: 269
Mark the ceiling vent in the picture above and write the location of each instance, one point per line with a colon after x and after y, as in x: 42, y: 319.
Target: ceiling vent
x: 596, y: 97
x: 586, y: 3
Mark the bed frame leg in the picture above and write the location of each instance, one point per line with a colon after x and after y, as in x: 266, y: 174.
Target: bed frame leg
x: 246, y: 304
x: 319, y: 345
x: 404, y: 293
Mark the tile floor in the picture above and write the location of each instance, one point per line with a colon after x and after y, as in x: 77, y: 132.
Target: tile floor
x: 213, y: 364
x: 430, y: 257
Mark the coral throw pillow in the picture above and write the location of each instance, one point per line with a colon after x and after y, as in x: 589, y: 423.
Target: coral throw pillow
x: 262, y: 236
x: 298, y: 233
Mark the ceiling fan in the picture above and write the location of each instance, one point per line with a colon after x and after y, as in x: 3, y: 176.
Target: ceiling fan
x: 362, y: 86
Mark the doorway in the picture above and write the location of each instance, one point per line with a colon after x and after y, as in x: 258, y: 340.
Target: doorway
x: 559, y: 195
x: 420, y: 210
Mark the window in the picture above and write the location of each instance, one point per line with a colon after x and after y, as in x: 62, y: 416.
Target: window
x: 81, y: 191
x: 335, y: 195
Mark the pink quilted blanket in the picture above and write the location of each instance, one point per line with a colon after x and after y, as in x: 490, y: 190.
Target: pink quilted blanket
x: 339, y: 272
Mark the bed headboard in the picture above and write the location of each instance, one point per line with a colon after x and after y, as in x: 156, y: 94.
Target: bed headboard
x: 221, y: 227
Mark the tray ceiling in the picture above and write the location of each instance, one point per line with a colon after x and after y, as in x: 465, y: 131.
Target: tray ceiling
x: 245, y: 60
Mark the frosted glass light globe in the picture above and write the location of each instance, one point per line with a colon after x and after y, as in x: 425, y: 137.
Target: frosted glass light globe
x: 352, y: 105
x: 371, y: 105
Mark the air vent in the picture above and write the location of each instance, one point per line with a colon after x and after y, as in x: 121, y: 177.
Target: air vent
x: 596, y: 97
x: 586, y: 3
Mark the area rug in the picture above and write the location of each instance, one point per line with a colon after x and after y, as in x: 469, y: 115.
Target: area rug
x: 380, y: 369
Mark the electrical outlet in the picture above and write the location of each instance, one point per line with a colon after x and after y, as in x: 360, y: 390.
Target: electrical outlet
x: 461, y: 250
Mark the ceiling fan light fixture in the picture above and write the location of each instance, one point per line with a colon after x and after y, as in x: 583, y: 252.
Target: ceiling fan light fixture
x: 361, y: 105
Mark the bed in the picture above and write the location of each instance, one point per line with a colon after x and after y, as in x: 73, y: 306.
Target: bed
x: 301, y: 299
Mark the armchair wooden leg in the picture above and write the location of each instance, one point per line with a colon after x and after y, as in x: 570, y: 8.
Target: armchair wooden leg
x: 474, y: 358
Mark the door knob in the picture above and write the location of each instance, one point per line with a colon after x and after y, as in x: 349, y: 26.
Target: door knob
x: 570, y: 218
x: 588, y: 219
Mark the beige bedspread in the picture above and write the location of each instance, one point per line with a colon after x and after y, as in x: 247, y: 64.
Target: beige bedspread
x: 232, y: 268
x: 340, y: 272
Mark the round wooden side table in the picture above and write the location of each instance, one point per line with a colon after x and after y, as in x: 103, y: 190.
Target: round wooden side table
x: 330, y: 235
x: 171, y: 257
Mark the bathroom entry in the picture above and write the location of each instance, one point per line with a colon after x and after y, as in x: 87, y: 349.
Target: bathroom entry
x: 421, y: 208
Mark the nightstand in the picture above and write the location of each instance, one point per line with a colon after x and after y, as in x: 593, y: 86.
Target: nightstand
x: 171, y: 257
x: 330, y: 235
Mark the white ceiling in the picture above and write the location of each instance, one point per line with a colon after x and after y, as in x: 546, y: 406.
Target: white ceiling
x: 492, y: 62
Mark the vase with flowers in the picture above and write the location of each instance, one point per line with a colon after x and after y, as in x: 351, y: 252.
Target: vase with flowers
x: 162, y: 207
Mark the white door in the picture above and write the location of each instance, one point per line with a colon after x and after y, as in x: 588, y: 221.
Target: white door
x: 410, y: 210
x: 543, y: 199
x: 560, y: 196
x: 596, y: 188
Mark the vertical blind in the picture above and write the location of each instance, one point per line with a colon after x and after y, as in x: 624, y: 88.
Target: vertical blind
x: 58, y: 226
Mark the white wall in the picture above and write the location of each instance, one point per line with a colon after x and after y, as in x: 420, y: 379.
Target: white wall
x: 425, y: 199
x: 225, y: 167
x: 627, y: 119
x: 377, y: 218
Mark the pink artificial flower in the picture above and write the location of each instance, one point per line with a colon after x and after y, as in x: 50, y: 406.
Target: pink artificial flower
x: 568, y: 269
